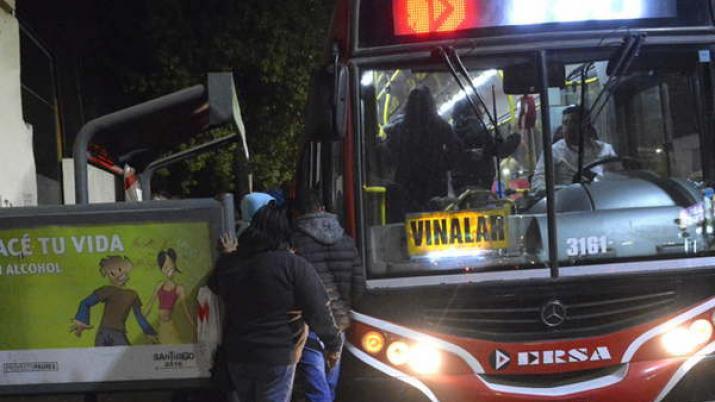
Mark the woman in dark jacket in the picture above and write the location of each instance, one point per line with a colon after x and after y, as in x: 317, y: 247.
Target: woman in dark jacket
x: 269, y: 295
x: 422, y: 148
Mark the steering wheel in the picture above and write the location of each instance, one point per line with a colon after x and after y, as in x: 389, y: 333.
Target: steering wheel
x: 628, y: 163
x: 489, y: 198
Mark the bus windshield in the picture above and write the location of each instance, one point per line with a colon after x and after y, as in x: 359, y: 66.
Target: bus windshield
x: 452, y: 185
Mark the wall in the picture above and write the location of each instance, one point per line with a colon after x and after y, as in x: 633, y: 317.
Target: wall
x: 101, y: 185
x: 18, y: 185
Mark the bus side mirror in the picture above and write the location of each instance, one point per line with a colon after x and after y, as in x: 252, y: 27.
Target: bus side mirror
x: 326, y: 114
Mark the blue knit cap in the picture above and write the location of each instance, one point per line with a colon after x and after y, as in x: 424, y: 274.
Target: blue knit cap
x: 277, y: 193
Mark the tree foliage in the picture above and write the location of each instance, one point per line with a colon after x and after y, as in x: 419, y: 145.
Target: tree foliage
x: 161, y: 46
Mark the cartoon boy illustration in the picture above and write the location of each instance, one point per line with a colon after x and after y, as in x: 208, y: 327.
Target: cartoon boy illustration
x: 118, y: 300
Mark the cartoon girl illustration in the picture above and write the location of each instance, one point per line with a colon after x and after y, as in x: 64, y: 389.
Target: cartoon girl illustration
x: 169, y: 293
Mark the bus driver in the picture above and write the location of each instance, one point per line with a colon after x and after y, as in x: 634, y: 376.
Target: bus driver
x: 565, y: 151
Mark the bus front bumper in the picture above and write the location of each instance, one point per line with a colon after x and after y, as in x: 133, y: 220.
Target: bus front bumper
x: 668, y: 380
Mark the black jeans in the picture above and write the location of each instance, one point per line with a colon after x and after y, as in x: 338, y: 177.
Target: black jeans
x: 261, y: 382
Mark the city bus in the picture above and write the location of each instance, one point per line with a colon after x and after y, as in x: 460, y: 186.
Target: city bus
x: 547, y: 260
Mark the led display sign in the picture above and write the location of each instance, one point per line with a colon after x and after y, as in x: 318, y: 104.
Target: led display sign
x: 415, y: 17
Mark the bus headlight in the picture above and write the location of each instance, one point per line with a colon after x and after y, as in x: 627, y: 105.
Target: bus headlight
x: 677, y: 342
x: 373, y: 342
x: 701, y: 331
x: 425, y: 359
x: 682, y: 341
x: 421, y: 357
x: 398, y: 353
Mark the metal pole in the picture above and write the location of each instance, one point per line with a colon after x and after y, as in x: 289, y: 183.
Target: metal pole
x: 548, y: 163
x: 148, y: 173
x: 668, y: 125
x: 145, y: 183
x: 229, y: 213
x: 117, y: 119
x: 497, y: 140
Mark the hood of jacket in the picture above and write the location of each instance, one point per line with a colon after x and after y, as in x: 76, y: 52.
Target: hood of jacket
x: 321, y: 226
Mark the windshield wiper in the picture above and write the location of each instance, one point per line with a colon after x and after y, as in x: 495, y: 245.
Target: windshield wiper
x: 623, y: 57
x: 448, y: 54
x: 445, y: 54
x: 629, y: 50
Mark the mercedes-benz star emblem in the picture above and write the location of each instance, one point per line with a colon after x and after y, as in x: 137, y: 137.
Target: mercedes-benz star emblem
x: 553, y: 313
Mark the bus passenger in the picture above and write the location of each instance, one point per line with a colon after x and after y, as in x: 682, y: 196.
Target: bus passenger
x: 423, y: 148
x: 477, y: 165
x: 565, y: 151
x: 319, y: 238
x: 269, y: 295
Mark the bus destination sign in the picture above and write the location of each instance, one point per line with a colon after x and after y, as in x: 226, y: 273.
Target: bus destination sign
x: 415, y: 17
x: 445, y: 234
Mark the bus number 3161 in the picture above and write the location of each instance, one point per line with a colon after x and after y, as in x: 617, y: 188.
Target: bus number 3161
x: 583, y: 246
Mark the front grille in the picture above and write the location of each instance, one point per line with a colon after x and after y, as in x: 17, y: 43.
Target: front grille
x: 517, y: 315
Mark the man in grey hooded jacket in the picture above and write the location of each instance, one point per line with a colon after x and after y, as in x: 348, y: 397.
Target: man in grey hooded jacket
x: 319, y: 238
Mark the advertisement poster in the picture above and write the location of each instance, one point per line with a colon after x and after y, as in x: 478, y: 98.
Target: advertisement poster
x: 98, y: 303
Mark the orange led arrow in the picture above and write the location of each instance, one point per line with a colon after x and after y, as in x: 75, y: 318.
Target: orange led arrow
x: 449, y: 15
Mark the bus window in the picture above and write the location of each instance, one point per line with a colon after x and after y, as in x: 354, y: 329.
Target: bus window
x: 642, y: 193
x: 432, y: 195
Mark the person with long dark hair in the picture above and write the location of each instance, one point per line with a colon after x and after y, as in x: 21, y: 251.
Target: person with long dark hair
x: 270, y: 294
x: 423, y: 148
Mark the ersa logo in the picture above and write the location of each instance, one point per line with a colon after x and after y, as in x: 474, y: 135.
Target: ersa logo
x: 500, y: 359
